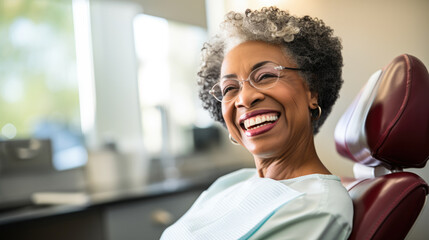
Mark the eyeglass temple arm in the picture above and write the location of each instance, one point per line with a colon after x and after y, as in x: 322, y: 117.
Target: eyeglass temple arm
x: 289, y: 68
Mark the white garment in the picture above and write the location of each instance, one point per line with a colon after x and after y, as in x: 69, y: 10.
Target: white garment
x: 242, y: 205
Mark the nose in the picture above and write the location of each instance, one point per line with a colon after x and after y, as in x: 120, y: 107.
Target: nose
x: 248, y: 96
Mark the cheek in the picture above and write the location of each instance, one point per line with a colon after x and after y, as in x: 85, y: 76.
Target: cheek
x: 225, y: 113
x: 294, y: 104
x: 298, y: 114
x: 228, y: 115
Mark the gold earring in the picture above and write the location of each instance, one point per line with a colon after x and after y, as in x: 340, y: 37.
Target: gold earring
x: 233, y: 140
x: 318, y: 116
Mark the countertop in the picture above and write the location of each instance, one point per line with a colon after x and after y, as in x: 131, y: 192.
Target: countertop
x: 196, y: 180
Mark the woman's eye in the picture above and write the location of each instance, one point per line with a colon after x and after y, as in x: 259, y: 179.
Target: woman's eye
x: 266, y: 76
x: 229, y: 89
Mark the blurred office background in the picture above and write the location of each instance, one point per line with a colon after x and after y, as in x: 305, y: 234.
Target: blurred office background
x: 109, y: 86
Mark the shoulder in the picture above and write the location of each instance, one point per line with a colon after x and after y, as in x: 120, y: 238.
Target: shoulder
x: 327, y: 194
x: 324, y: 194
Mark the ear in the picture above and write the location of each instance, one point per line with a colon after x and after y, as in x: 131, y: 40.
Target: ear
x: 312, y: 98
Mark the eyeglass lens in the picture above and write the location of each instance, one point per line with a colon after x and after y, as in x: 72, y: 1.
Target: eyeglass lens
x: 263, y: 77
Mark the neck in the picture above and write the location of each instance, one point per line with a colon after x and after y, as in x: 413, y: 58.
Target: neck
x: 297, y: 160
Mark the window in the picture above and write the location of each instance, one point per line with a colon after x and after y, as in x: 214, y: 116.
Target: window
x: 39, y: 92
x: 169, y: 55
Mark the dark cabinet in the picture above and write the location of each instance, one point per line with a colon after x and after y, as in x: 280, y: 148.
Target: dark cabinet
x: 146, y: 219
x: 139, y: 218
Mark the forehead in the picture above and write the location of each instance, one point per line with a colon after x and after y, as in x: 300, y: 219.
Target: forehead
x: 241, y: 59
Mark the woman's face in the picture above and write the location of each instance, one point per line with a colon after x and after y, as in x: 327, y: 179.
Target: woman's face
x: 284, y: 108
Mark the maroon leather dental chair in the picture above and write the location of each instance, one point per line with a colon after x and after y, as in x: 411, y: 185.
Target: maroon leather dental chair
x: 385, y: 130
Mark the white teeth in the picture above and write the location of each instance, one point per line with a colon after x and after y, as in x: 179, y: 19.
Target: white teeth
x: 251, y: 122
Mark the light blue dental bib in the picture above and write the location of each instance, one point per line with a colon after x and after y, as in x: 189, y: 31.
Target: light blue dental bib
x: 235, y: 212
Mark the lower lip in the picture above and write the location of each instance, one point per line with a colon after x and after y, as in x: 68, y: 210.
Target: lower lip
x: 260, y: 130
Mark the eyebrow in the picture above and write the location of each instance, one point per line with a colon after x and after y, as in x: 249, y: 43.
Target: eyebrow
x: 257, y: 65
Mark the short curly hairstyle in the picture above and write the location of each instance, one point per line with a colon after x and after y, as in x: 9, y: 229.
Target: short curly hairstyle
x: 308, y: 41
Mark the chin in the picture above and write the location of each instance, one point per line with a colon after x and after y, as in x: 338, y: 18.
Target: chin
x: 266, y: 149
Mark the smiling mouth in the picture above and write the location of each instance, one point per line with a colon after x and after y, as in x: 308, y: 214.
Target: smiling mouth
x: 258, y: 121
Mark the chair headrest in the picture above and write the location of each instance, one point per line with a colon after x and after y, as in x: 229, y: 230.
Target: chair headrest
x: 388, y: 122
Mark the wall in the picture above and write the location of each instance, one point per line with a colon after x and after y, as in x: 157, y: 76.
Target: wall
x: 186, y: 11
x: 117, y: 115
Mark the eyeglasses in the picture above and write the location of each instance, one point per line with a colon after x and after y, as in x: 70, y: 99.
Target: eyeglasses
x: 263, y: 77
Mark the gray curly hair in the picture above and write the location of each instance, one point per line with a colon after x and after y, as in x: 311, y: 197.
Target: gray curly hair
x: 308, y: 41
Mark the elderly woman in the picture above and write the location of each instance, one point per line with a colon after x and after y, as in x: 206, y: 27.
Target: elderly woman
x: 271, y: 79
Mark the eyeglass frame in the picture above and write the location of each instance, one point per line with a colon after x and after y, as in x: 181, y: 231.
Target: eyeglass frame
x: 241, y: 81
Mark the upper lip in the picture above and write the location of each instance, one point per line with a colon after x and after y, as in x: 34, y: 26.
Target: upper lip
x: 245, y: 116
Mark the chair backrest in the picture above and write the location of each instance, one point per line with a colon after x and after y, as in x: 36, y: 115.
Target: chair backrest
x: 387, y: 126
